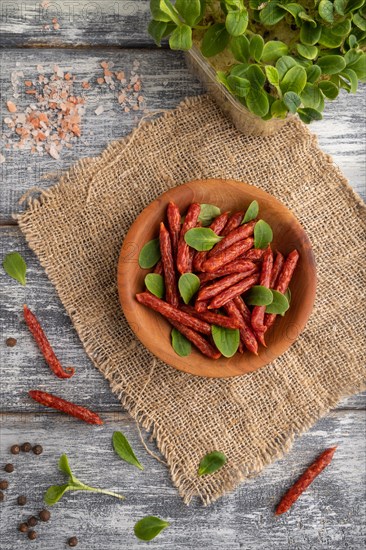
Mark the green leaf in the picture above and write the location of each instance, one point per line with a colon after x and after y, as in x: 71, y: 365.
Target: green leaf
x: 239, y: 46
x: 236, y: 22
x: 311, y: 96
x: 285, y: 63
x: 251, y: 212
x: 272, y: 75
x: 150, y: 254
x: 124, y: 450
x: 208, y: 213
x: 222, y: 78
x: 215, y: 40
x: 271, y: 14
x: 279, y: 109
x: 329, y: 39
x: 262, y: 234
x: 148, y: 528
x: 294, y: 80
x: 305, y: 17
x: 292, y: 101
x: 188, y: 285
x: 14, y: 265
x: 155, y: 284
x: 307, y: 115
x: 167, y: 7
x: 340, y: 6
x: 157, y: 13
x: 226, y: 340
x: 273, y: 50
x: 294, y: 9
x: 239, y: 86
x: 351, y: 76
x: 353, y: 5
x: 201, y: 238
x: 211, y: 462
x: 309, y: 52
x: 259, y: 296
x: 256, y: 46
x: 181, y: 38
x: 329, y: 89
x: 239, y: 70
x: 358, y: 65
x: 255, y: 76
x: 54, y: 493
x: 257, y: 102
x: 64, y: 466
x: 190, y: 10
x: 279, y: 305
x: 313, y: 73
x: 325, y: 9
x: 343, y: 28
x: 180, y: 344
x: 310, y: 35
x: 159, y: 30
x: 331, y: 64
x: 352, y: 41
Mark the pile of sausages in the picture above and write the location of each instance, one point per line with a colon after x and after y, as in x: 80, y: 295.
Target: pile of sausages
x: 231, y: 268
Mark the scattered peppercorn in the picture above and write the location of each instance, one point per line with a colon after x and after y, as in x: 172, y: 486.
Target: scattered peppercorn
x: 4, y: 484
x: 32, y: 535
x: 22, y: 500
x: 44, y: 515
x: 15, y: 450
x: 11, y: 342
x: 37, y: 449
x: 1, y: 496
x: 32, y: 521
x: 9, y: 468
x: 26, y: 447
x: 23, y: 527
x: 72, y: 542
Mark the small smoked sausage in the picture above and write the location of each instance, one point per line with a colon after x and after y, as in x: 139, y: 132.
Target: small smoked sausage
x: 232, y: 292
x: 183, y: 254
x: 228, y: 255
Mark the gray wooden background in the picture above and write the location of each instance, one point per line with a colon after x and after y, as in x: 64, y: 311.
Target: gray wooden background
x: 331, y: 515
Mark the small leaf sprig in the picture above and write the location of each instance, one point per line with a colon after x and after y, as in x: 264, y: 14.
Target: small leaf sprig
x: 149, y: 527
x: 124, y: 450
x: 211, y: 462
x: 56, y: 492
x: 14, y: 265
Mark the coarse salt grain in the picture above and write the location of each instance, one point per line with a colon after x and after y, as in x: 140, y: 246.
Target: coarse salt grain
x: 99, y: 110
x: 11, y: 107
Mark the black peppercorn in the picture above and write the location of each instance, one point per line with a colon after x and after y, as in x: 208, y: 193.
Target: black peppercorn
x: 26, y: 447
x: 4, y: 484
x: 32, y: 535
x: 44, y: 515
x: 11, y: 342
x: 37, y: 449
x: 22, y: 500
x: 15, y: 450
x: 32, y: 521
x: 23, y: 527
x: 72, y: 542
x: 1, y: 496
x: 9, y: 468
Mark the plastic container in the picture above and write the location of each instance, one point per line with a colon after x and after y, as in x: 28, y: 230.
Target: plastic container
x: 242, y: 118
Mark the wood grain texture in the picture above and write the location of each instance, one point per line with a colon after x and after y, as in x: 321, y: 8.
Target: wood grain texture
x: 229, y: 195
x: 119, y: 23
x: 330, y: 515
x: 165, y: 82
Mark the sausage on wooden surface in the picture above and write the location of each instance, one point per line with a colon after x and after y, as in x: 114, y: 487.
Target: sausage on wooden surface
x: 171, y: 290
x: 183, y: 253
x: 232, y: 292
x: 227, y: 256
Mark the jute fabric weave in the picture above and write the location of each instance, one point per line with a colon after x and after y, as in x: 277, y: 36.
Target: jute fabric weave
x: 77, y: 227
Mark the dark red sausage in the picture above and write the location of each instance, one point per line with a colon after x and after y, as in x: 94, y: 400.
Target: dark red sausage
x: 243, y: 308
x: 169, y: 311
x: 54, y: 402
x: 237, y: 266
x: 201, y: 306
x: 171, y: 290
x: 197, y: 340
x: 239, y: 234
x: 283, y: 281
x: 217, y: 226
x: 174, y: 225
x: 183, y: 254
x: 304, y: 481
x: 228, y: 255
x: 159, y: 268
x: 212, y: 318
x: 246, y: 334
x: 276, y: 270
x: 257, y: 319
x: 232, y: 292
x: 234, y: 222
x: 254, y: 255
x: 212, y: 290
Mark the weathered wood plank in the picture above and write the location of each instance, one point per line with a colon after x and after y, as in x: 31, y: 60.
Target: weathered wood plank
x: 120, y: 23
x: 22, y: 367
x: 329, y: 515
x: 165, y: 82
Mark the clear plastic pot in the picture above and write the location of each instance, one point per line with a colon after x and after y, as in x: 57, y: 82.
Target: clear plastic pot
x: 242, y: 118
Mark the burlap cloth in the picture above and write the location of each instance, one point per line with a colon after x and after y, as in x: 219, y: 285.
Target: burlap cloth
x: 77, y: 227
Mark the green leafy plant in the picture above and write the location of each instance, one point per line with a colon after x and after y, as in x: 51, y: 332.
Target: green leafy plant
x: 124, y: 450
x: 226, y: 340
x: 180, y: 344
x: 201, y: 238
x: 188, y: 285
x: 211, y: 462
x: 150, y: 254
x: 148, y: 528
x: 274, y: 56
x: 155, y: 284
x: 56, y: 492
x: 14, y: 265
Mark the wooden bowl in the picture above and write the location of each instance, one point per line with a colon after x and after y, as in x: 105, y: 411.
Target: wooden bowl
x: 154, y: 331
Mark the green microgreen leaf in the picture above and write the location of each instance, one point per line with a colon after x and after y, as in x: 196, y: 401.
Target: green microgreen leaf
x: 226, y: 340
x: 284, y: 64
x: 309, y: 34
x: 239, y: 46
x: 159, y: 30
x: 124, y: 450
x: 181, y: 38
x: 311, y: 96
x: 190, y: 10
x: 14, y: 265
x: 309, y: 52
x: 331, y: 64
x: 149, y: 527
x: 55, y: 493
x: 313, y: 73
x: 181, y: 345
x: 238, y: 85
x: 256, y: 46
x: 279, y: 109
x: 211, y: 462
x: 188, y: 285
x: 279, y: 304
x: 155, y: 284
x: 208, y: 213
x: 259, y: 296
x: 157, y: 13
x: 236, y: 22
x: 292, y: 101
x: 273, y: 50
x: 263, y: 234
x: 271, y: 14
x: 325, y: 10
x: 215, y: 40
x: 294, y: 80
x: 150, y: 254
x: 307, y: 115
x: 251, y: 212
x: 201, y: 238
